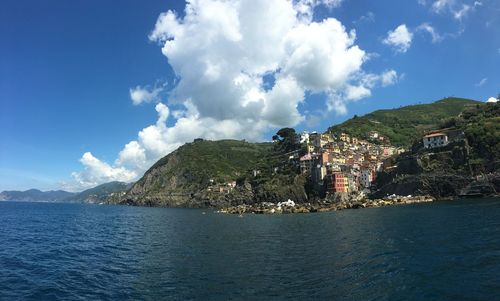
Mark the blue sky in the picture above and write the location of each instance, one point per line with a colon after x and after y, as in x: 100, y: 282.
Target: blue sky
x: 68, y: 70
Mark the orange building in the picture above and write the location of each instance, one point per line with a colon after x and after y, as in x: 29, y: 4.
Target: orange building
x: 336, y: 182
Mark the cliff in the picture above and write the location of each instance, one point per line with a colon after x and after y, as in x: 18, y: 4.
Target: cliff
x: 467, y: 167
x: 184, y: 177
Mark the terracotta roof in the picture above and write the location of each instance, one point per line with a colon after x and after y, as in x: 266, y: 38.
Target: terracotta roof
x: 434, y: 135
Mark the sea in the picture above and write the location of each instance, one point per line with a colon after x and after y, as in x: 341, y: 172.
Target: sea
x: 433, y: 251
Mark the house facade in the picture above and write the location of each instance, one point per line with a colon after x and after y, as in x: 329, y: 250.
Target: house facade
x: 336, y: 182
x: 435, y: 140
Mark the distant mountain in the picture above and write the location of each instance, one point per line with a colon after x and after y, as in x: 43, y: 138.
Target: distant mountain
x: 403, y: 125
x: 35, y: 195
x: 101, y: 193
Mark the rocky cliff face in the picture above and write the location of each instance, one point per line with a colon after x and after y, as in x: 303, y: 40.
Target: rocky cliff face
x: 441, y: 173
x: 184, y: 177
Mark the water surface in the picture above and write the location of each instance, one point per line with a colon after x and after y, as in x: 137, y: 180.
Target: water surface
x: 437, y: 251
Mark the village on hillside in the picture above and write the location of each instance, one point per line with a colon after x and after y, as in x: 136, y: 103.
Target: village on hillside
x: 341, y: 163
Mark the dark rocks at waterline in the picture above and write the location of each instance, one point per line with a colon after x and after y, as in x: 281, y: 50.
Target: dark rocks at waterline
x: 441, y: 186
x: 324, y: 206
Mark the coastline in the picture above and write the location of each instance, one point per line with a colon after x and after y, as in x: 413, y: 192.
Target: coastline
x: 324, y: 206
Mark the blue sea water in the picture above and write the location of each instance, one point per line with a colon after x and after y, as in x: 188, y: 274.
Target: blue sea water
x: 437, y: 251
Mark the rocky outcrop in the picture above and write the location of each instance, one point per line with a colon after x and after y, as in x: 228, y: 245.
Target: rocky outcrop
x: 443, y: 173
x: 437, y: 185
x: 334, y: 203
x: 486, y: 185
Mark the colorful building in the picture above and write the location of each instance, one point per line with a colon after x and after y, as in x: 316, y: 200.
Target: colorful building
x: 336, y: 182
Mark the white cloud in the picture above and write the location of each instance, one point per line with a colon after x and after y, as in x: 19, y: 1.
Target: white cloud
x: 441, y: 5
x: 322, y: 56
x: 457, y: 8
x: 337, y: 104
x: 144, y: 94
x: 462, y: 12
x: 337, y: 101
x: 426, y: 27
x: 97, y: 172
x: 492, y: 100
x: 400, y: 38
x: 223, y: 53
x: 481, y: 82
x: 389, y: 78
x: 305, y: 8
x: 368, y: 18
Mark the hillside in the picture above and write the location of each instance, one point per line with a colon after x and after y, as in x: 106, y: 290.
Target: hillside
x: 179, y: 179
x: 464, y: 167
x: 100, y: 193
x: 35, y: 195
x: 198, y: 173
x: 403, y: 125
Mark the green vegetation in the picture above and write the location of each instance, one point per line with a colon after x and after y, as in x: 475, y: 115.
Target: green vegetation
x: 451, y: 170
x: 194, y: 164
x: 404, y: 124
x: 270, y: 172
x: 481, y: 125
x: 286, y: 140
x: 279, y: 177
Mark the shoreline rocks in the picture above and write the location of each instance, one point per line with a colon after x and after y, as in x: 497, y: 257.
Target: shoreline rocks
x: 324, y: 206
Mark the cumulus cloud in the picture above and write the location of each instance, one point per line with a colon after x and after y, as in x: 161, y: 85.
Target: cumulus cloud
x: 97, y: 172
x: 144, y: 94
x: 492, y: 100
x: 244, y: 67
x: 400, y: 38
x: 337, y: 101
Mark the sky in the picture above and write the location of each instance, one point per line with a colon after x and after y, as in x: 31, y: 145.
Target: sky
x: 96, y: 91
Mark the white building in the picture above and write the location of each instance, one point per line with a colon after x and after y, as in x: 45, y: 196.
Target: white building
x: 435, y: 140
x: 304, y: 137
x: 373, y: 135
x: 366, y: 178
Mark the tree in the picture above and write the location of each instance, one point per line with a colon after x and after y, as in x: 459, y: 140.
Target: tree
x: 287, y: 140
